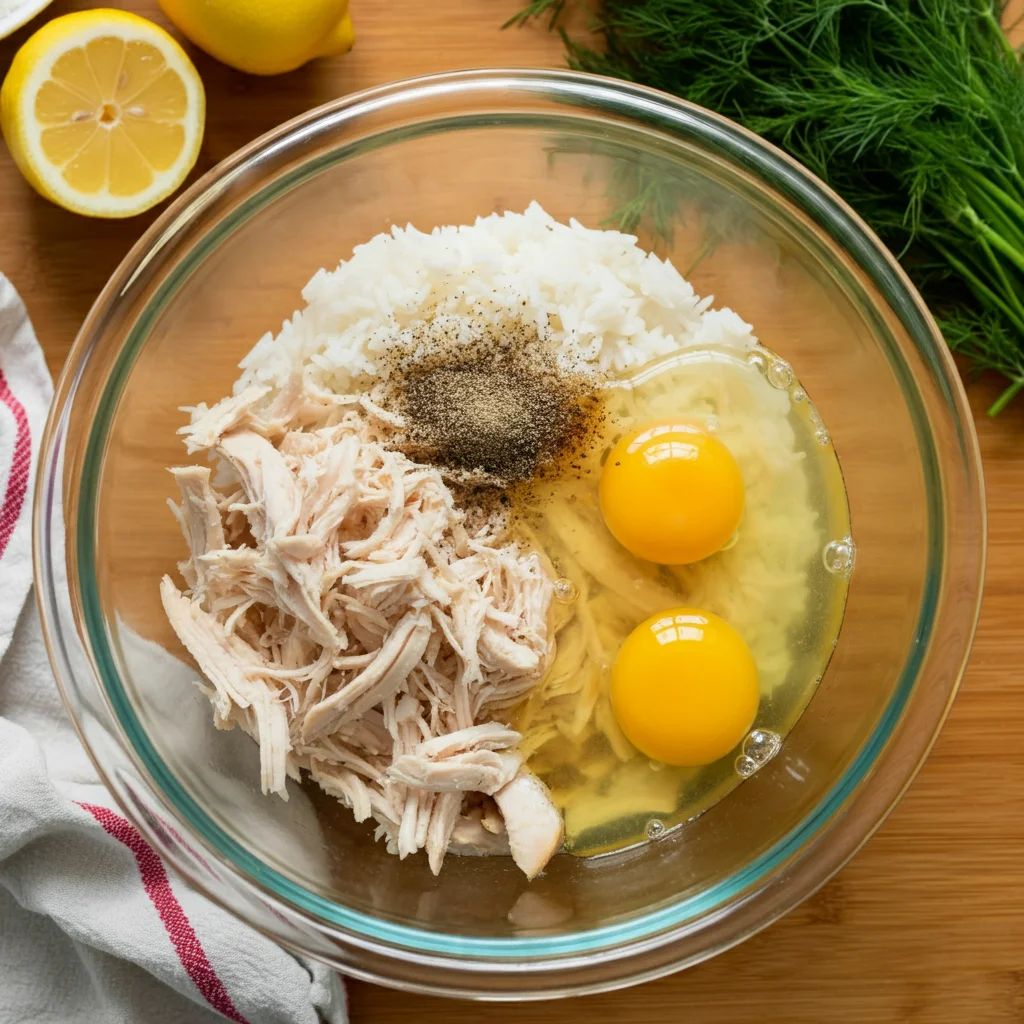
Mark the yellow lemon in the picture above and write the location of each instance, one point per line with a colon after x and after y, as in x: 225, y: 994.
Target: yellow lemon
x: 264, y: 37
x: 103, y: 113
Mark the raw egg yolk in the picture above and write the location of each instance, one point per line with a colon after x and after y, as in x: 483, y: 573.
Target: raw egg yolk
x: 671, y: 493
x: 684, y: 687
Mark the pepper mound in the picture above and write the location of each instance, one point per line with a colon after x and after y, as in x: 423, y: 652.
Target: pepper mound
x: 494, y: 411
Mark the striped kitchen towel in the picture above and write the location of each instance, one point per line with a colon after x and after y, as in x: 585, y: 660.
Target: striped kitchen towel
x: 94, y: 928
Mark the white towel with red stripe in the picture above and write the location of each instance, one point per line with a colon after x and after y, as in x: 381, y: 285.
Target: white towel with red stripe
x: 94, y: 928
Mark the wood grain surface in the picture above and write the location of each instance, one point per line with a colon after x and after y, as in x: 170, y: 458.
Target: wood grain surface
x: 927, y: 923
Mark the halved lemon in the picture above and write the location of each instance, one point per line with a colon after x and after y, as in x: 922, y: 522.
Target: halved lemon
x: 103, y: 113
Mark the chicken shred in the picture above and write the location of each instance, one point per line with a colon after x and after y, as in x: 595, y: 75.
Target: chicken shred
x: 346, y: 620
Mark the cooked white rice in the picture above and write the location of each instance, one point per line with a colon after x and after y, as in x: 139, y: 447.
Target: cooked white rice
x: 605, y: 302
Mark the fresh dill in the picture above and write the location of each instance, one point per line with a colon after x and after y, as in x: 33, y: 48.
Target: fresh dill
x: 912, y: 110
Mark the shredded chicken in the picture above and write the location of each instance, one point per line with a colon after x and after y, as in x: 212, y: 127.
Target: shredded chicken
x: 346, y: 620
x: 533, y: 823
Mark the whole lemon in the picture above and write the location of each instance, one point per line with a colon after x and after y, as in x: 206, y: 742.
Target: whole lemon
x: 264, y: 37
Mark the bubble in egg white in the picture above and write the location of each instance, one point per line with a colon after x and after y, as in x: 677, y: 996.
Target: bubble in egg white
x: 780, y: 374
x: 839, y: 556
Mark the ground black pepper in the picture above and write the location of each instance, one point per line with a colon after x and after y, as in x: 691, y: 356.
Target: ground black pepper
x: 495, y: 410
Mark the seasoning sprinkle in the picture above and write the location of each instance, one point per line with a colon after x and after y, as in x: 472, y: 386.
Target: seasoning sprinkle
x: 495, y: 410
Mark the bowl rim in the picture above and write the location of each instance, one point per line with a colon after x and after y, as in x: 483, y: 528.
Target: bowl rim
x: 666, y: 924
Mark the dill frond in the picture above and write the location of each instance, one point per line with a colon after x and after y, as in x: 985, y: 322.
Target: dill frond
x: 552, y: 8
x: 912, y: 110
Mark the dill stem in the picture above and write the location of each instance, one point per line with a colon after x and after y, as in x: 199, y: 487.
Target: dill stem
x: 1006, y: 397
x: 986, y: 234
x: 997, y: 193
x: 998, y: 220
x: 997, y: 31
x: 983, y: 291
x: 1008, y: 288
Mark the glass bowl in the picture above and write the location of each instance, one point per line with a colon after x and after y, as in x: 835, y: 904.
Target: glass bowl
x: 226, y: 263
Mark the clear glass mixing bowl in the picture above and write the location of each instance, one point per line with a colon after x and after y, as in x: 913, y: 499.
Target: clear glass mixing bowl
x: 226, y: 263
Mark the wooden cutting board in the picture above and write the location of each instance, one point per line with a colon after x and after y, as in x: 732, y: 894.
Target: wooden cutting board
x: 927, y: 923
